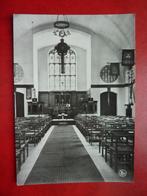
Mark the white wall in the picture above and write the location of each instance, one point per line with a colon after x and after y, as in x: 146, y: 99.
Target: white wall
x: 23, y: 54
x: 30, y: 51
x: 104, y: 52
x: 78, y: 39
x: 122, y: 96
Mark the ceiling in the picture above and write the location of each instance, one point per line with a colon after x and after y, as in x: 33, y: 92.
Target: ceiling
x: 117, y: 28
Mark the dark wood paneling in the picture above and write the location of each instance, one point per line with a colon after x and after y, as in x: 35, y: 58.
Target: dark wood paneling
x: 51, y: 98
x: 111, y: 85
x: 23, y: 86
x: 50, y: 102
x: 44, y: 98
x: 35, y: 108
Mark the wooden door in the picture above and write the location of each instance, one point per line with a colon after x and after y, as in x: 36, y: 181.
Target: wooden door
x: 108, y: 103
x: 19, y: 104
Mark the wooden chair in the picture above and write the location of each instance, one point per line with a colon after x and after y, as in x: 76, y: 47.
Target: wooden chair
x: 18, y: 160
x: 122, y: 150
x: 21, y: 148
x: 95, y: 134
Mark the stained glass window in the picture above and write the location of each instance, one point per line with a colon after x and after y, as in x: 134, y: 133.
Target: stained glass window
x: 62, y: 81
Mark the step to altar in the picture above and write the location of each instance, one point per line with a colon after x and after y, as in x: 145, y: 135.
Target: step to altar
x: 63, y: 121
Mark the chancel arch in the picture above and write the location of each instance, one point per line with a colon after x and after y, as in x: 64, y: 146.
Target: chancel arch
x: 79, y: 40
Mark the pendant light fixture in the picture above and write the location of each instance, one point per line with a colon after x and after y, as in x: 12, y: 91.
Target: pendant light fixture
x: 61, y: 26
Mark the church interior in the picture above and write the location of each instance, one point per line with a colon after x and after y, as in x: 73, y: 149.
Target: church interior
x: 74, y: 94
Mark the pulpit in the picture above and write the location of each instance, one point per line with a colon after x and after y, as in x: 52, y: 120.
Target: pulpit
x: 35, y: 108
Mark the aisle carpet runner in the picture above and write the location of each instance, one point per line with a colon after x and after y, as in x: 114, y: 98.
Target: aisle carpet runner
x: 63, y: 159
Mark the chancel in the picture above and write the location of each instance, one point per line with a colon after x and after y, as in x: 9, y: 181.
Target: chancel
x: 74, y: 97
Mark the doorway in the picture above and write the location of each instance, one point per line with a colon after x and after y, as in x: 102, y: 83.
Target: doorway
x: 108, y: 103
x: 19, y: 104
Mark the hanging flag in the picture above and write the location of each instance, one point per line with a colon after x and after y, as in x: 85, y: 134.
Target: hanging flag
x: 128, y: 57
x: 114, y: 69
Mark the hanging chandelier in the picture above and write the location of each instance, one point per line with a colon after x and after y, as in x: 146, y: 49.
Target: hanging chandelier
x: 61, y: 30
x: 61, y: 26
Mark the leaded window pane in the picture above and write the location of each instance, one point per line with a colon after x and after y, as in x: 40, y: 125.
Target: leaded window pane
x: 62, y: 82
x: 56, y: 69
x: 51, y: 70
x: 66, y: 58
x: 67, y: 69
x: 72, y: 82
x: 57, y: 58
x: 51, y: 59
x: 51, y: 82
x: 57, y: 80
x: 73, y: 71
x: 73, y: 59
x: 67, y: 82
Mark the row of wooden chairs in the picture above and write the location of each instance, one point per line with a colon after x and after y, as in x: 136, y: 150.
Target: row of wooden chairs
x: 117, y: 145
x: 114, y: 136
x: 28, y: 131
x: 22, y: 147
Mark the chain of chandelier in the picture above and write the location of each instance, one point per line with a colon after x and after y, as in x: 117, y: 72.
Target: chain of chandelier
x: 61, y: 30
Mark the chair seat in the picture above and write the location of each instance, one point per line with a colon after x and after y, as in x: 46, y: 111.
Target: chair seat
x: 18, y: 152
x: 122, y: 149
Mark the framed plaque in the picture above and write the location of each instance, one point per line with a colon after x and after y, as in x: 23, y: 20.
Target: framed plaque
x: 128, y: 57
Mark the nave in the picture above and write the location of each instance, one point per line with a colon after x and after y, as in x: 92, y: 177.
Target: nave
x: 63, y: 159
x: 64, y: 154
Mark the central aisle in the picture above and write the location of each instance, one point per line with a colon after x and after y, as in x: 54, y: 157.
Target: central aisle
x: 63, y: 159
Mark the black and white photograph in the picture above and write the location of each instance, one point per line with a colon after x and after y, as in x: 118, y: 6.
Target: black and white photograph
x: 74, y: 98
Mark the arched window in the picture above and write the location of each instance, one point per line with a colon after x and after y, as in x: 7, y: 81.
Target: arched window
x: 62, y: 81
